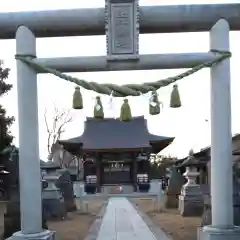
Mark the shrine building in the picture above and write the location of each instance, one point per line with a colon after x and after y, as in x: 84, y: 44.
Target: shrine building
x: 114, y: 151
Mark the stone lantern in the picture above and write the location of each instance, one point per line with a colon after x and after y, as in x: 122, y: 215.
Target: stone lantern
x: 53, y: 200
x: 191, y: 173
x: 191, y: 202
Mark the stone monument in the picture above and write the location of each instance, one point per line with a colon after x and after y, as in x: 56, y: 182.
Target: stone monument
x: 174, y: 189
x: 65, y: 184
x: 191, y: 197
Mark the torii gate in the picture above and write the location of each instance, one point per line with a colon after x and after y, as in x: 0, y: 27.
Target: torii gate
x: 156, y: 19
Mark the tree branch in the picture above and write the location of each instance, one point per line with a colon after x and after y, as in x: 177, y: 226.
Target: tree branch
x: 49, y: 133
x: 61, y: 117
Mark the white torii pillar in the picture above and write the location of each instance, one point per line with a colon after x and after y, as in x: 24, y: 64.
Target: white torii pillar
x: 222, y: 227
x: 29, y: 161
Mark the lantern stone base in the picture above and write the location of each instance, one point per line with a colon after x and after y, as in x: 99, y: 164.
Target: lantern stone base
x: 191, y: 201
x: 212, y: 233
x: 53, y: 202
x: 44, y: 235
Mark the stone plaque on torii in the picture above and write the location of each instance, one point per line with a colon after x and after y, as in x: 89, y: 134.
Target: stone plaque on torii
x: 122, y: 29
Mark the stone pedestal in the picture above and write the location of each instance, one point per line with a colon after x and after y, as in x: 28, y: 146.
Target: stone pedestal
x: 79, y: 187
x: 53, y: 202
x: 191, y: 201
x: 45, y: 235
x: 213, y: 233
x: 155, y: 186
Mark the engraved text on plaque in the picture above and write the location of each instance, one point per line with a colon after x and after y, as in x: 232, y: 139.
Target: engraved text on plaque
x: 122, y: 28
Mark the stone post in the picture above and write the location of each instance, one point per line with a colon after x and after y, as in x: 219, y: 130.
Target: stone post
x: 29, y: 162
x: 191, y: 198
x: 221, y: 143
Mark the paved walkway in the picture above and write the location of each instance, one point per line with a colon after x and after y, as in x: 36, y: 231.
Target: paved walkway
x: 122, y: 222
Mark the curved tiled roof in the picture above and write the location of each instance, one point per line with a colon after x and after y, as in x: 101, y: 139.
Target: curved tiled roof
x: 113, y: 134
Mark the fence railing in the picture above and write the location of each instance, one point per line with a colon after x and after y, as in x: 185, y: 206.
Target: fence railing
x: 157, y: 197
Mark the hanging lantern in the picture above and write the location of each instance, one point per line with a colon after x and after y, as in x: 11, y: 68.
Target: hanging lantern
x: 175, y: 101
x: 125, y: 114
x: 77, y: 99
x: 154, y: 105
x: 98, y: 109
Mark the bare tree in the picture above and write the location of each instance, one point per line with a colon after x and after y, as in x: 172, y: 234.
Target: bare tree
x: 56, y: 126
x: 160, y: 164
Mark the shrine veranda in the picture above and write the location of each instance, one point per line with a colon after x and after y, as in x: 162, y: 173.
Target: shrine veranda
x: 123, y: 54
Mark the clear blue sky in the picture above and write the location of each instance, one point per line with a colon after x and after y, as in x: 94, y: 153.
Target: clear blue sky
x: 187, y: 124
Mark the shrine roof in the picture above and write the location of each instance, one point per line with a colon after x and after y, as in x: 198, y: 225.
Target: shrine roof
x: 113, y: 134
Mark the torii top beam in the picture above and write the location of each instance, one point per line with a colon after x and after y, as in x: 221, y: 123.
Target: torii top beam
x: 153, y: 19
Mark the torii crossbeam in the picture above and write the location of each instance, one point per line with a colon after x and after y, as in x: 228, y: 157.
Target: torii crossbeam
x: 153, y: 19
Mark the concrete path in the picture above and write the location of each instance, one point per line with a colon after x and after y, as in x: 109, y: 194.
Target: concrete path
x: 122, y: 222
